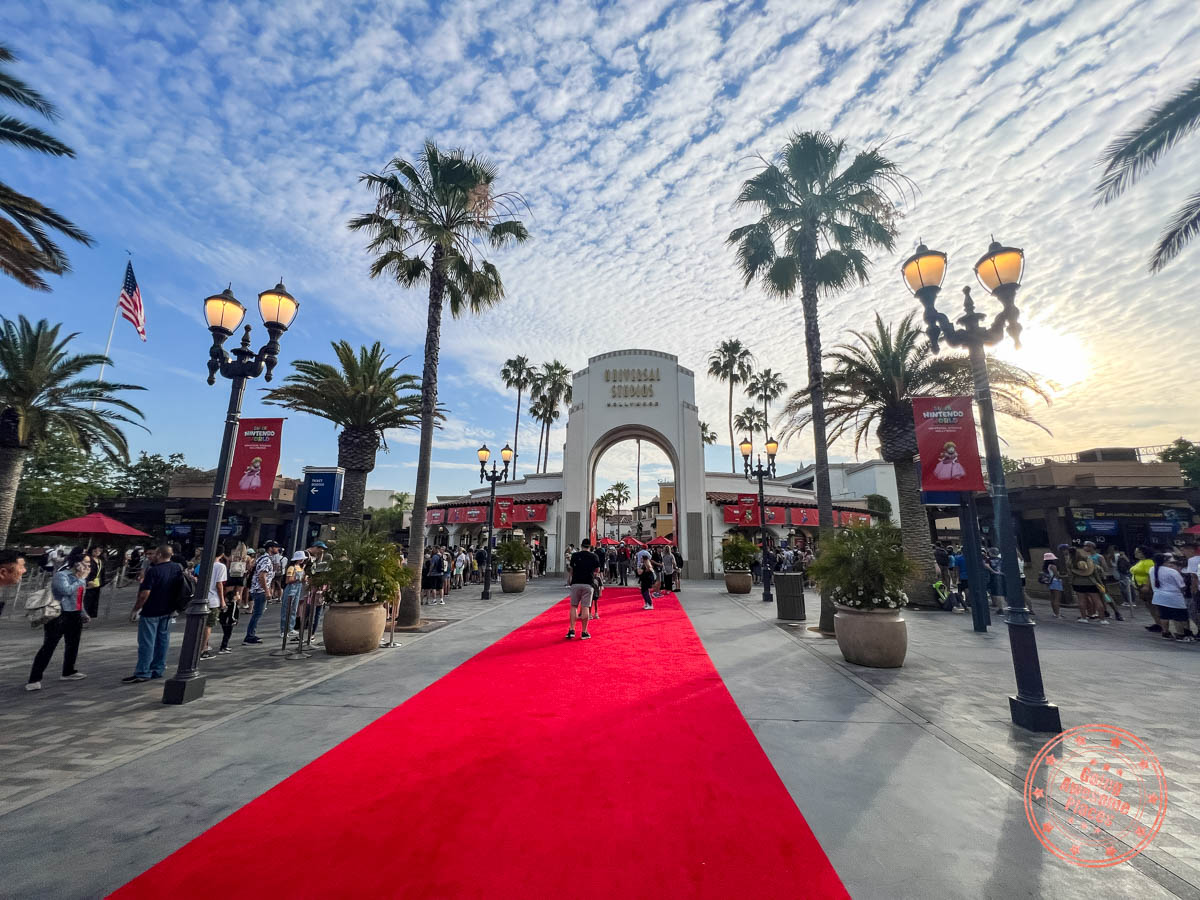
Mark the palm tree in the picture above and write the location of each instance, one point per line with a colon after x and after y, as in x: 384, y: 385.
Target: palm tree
x: 733, y: 363
x: 604, y: 509
x: 429, y: 220
x: 41, y: 394
x: 364, y: 395
x: 750, y: 420
x: 707, y: 435
x: 766, y: 386
x: 871, y: 383
x: 816, y: 220
x: 538, y: 410
x: 1135, y: 152
x: 517, y: 373
x: 25, y: 247
x: 620, y: 494
x: 553, y: 383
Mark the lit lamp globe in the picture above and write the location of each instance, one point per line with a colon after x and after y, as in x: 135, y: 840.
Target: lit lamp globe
x: 277, y: 307
x: 745, y: 446
x: 772, y: 448
x: 506, y: 454
x: 924, y: 270
x: 484, y: 455
x: 1001, y: 268
x: 224, y: 313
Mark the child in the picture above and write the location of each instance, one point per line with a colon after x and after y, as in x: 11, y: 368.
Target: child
x: 646, y: 579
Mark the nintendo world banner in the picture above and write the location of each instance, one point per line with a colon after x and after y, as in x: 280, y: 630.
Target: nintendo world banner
x: 947, y: 444
x: 255, y: 459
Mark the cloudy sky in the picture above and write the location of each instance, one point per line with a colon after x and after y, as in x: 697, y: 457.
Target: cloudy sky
x: 221, y: 142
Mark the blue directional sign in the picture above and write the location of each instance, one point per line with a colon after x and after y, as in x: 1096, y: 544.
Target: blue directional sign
x: 322, y: 490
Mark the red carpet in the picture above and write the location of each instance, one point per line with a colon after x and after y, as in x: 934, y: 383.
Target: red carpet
x: 544, y: 768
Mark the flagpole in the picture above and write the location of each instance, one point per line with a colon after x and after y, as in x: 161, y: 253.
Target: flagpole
x: 108, y: 343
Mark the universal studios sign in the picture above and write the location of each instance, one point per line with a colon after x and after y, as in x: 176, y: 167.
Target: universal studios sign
x: 632, y: 383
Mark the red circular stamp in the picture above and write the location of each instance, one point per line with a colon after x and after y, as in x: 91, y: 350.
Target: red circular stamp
x: 1095, y: 795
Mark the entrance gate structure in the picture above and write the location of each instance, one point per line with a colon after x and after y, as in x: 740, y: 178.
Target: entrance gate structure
x: 642, y: 394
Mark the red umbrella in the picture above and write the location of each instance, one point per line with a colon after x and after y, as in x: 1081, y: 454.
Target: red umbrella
x: 93, y: 523
x: 632, y: 541
x: 661, y: 542
x: 607, y: 542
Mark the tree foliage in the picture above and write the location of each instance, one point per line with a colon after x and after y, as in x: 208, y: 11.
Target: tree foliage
x: 60, y: 481
x: 1187, y: 454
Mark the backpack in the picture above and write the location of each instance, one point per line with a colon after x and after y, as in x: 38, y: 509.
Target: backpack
x: 42, y: 607
x: 185, y: 590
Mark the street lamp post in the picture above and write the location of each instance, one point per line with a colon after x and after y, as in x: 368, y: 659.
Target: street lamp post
x: 224, y: 314
x: 999, y: 272
x: 760, y: 471
x: 494, y: 476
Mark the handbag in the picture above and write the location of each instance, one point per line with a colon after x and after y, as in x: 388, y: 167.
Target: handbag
x: 42, y: 607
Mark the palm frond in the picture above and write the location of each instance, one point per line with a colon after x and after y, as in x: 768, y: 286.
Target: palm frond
x: 1180, y: 230
x: 28, y: 137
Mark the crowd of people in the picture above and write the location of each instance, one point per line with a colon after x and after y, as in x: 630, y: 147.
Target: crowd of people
x: 445, y: 569
x: 655, y: 569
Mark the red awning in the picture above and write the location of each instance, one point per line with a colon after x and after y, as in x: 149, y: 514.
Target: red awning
x: 661, y: 542
x: 93, y: 523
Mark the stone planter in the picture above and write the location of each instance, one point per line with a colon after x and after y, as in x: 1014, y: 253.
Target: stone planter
x: 512, y: 582
x: 871, y: 637
x: 350, y: 628
x: 738, y: 582
x: 789, y: 596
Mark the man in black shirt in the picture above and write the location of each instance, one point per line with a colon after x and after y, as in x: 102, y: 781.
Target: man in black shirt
x: 582, y: 568
x: 156, y: 603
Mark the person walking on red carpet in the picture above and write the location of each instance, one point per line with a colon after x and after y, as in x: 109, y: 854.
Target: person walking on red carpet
x: 646, y: 578
x: 580, y: 571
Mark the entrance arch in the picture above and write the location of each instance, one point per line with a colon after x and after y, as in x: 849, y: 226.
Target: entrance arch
x: 630, y: 394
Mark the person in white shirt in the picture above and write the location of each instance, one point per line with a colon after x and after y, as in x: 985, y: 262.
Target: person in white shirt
x: 1168, y: 599
x: 216, y: 596
x: 1192, y: 573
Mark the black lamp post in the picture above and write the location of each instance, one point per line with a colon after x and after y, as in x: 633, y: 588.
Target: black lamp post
x: 484, y: 454
x: 760, y: 471
x: 224, y: 314
x: 999, y: 271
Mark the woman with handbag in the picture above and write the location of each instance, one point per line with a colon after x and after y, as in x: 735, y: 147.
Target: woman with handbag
x: 67, y: 587
x: 1053, y: 581
x: 1087, y: 591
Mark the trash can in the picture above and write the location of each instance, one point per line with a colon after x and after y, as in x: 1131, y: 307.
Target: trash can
x: 789, y: 595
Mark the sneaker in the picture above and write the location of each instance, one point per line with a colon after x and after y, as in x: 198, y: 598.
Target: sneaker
x: 292, y: 632
x: 1188, y: 639
x: 154, y: 675
x: 1082, y: 619
x: 647, y: 606
x: 584, y: 636
x: 74, y: 676
x: 1118, y: 616
x: 596, y: 615
x: 207, y: 654
x: 958, y: 610
x: 134, y: 679
x: 33, y: 686
x: 1167, y: 636
x: 1105, y: 622
x: 252, y: 640
x: 224, y: 650
x: 1154, y: 628
x: 571, y: 634
x: 441, y: 603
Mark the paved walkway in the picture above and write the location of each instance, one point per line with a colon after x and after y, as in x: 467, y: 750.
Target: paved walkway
x: 910, y: 778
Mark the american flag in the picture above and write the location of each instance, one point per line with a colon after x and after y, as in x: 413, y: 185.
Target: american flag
x: 131, y: 302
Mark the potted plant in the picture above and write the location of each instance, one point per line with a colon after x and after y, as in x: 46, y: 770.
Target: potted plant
x: 364, y: 574
x: 737, y: 555
x: 864, y: 567
x: 513, y: 557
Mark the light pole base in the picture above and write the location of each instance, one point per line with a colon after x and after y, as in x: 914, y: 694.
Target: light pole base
x: 177, y: 691
x: 1035, y: 716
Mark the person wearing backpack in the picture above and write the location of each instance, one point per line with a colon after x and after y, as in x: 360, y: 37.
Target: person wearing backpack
x: 157, y: 600
x: 68, y: 588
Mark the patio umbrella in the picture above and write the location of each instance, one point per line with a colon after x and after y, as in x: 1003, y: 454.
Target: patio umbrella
x: 92, y: 524
x: 661, y: 542
x: 632, y: 541
x: 607, y: 541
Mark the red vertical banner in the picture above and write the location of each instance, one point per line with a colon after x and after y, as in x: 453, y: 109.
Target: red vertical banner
x: 947, y: 444
x: 255, y: 459
x: 592, y: 516
x: 503, y: 515
x: 747, y: 505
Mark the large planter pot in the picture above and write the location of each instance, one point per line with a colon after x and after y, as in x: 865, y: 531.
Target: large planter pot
x: 512, y: 582
x: 789, y: 596
x: 738, y: 582
x: 871, y: 637
x: 350, y: 628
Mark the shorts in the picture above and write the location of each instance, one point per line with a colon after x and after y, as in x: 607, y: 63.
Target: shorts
x: 211, y: 621
x: 235, y: 581
x: 1171, y: 613
x: 581, y: 594
x: 1089, y: 588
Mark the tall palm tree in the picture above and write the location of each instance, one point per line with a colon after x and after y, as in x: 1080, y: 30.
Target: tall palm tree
x: 620, y: 494
x: 1136, y: 151
x: 732, y: 363
x: 870, y: 384
x: 41, y: 393
x: 707, y: 435
x: 750, y: 420
x: 25, y: 247
x: 554, y: 384
x: 365, y: 395
x: 538, y: 411
x: 818, y: 215
x: 429, y: 221
x: 766, y: 386
x: 517, y: 374
x: 604, y: 510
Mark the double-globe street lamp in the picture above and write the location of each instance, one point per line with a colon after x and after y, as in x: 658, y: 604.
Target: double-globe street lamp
x: 760, y: 471
x: 999, y: 272
x: 224, y: 313
x: 494, y: 476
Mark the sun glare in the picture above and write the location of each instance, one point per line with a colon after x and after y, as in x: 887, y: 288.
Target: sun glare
x: 1060, y: 359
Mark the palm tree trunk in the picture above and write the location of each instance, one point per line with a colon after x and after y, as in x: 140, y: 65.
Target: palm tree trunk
x: 914, y: 531
x: 816, y: 389
x: 537, y: 463
x: 766, y: 421
x: 732, y: 458
x: 410, y: 609
x: 516, y: 432
x: 354, y: 494
x: 546, y: 461
x: 12, y: 464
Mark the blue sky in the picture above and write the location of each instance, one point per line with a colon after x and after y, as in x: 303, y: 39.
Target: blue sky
x: 222, y: 143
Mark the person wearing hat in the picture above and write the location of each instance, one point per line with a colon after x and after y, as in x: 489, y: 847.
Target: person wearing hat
x: 261, y: 589
x: 293, y: 583
x: 1052, y: 578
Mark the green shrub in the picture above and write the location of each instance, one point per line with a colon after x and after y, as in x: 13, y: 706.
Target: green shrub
x: 363, y: 568
x: 513, y: 555
x: 737, y: 554
x: 864, y: 567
